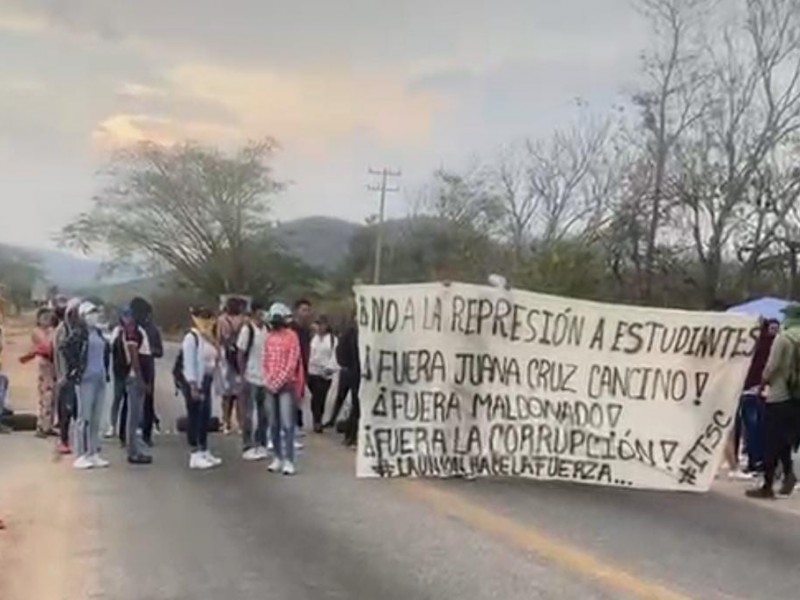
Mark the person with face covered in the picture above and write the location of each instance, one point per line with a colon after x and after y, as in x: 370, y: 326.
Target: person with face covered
x: 67, y: 371
x: 284, y: 378
x: 90, y: 353
x: 201, y: 358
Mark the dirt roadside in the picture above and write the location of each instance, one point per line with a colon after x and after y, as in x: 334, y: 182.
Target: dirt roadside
x: 40, y: 500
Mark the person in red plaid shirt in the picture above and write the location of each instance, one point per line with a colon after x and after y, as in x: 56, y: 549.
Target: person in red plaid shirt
x: 284, y: 378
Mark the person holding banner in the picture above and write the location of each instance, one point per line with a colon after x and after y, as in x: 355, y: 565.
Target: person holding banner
x: 782, y: 375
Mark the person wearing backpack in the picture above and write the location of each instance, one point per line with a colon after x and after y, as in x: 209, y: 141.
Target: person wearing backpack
x: 228, y: 328
x: 253, y: 394
x: 194, y: 371
x: 322, y: 366
x: 782, y: 375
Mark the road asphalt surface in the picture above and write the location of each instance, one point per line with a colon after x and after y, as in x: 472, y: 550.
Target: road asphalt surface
x: 238, y: 532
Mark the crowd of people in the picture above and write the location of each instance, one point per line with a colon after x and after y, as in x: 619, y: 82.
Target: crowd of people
x: 261, y: 363
x: 768, y: 420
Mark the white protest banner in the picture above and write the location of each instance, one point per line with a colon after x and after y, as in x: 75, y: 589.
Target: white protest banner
x: 471, y: 380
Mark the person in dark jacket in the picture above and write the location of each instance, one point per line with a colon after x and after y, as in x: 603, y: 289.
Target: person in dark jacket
x: 349, y: 359
x: 142, y: 313
x: 301, y: 323
x: 752, y: 403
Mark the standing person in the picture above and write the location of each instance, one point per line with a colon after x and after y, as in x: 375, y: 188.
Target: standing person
x: 88, y: 350
x: 42, y: 352
x: 120, y: 369
x: 322, y: 366
x: 782, y: 375
x: 348, y: 357
x: 67, y: 366
x: 200, y: 357
x: 136, y: 351
x: 229, y: 325
x: 752, y: 402
x: 252, y: 338
x: 284, y: 378
x: 301, y: 323
x: 3, y: 378
x: 142, y: 313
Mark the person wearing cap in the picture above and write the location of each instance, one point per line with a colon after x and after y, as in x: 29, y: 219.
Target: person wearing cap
x: 780, y: 415
x: 284, y: 378
x: 88, y: 354
x: 201, y: 357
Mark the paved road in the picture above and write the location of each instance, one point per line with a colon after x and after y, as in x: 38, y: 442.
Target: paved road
x: 239, y: 533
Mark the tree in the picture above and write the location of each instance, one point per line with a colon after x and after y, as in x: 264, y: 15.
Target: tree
x: 191, y: 209
x: 736, y: 178
x: 668, y: 103
x: 19, y: 272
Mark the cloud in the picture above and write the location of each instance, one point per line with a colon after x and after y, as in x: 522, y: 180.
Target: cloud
x: 126, y: 129
x: 132, y: 90
x: 19, y: 21
x: 312, y: 109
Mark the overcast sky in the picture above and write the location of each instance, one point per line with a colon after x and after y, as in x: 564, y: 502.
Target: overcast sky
x: 342, y: 84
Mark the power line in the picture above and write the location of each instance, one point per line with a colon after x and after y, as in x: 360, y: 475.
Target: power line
x: 383, y: 188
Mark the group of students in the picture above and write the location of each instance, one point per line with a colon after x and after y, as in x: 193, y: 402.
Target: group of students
x: 768, y: 421
x: 77, y: 360
x: 261, y: 362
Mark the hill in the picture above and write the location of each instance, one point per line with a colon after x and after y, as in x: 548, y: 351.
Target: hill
x: 320, y: 242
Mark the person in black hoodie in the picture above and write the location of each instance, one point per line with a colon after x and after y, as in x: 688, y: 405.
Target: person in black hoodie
x: 301, y: 323
x: 143, y: 316
x: 349, y: 359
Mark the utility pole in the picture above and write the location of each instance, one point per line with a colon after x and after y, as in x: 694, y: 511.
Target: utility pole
x: 383, y: 188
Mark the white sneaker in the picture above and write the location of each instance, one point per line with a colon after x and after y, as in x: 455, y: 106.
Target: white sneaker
x: 110, y: 433
x: 98, y: 461
x: 275, y: 465
x: 298, y: 445
x: 83, y: 463
x: 251, y: 454
x: 197, y: 460
x: 288, y: 468
x: 270, y: 446
x: 214, y: 460
x: 262, y: 453
x: 738, y: 475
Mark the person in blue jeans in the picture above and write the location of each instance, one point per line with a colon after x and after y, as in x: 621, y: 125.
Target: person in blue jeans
x: 284, y: 378
x: 752, y: 402
x: 94, y: 360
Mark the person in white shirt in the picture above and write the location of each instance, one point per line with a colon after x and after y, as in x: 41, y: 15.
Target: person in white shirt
x: 322, y: 367
x: 250, y: 345
x: 200, y: 357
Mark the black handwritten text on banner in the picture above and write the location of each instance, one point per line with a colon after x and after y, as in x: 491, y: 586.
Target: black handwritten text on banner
x: 468, y: 380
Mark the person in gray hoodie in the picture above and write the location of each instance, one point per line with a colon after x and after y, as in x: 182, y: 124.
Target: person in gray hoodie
x: 782, y: 375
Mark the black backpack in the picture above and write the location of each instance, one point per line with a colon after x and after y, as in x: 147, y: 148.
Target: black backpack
x: 177, y: 367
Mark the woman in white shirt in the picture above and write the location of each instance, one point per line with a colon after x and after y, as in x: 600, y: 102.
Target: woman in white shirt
x: 321, y: 369
x: 201, y: 357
